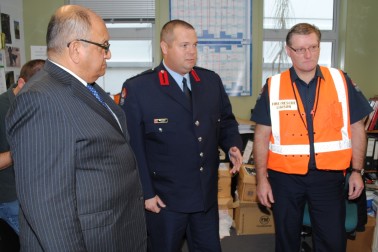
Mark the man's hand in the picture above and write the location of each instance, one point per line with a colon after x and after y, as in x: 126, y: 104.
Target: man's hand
x: 236, y: 159
x: 154, y: 204
x: 5, y: 160
x: 356, y: 185
x: 264, y: 192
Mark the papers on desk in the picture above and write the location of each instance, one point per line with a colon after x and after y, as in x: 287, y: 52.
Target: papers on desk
x: 245, y: 126
x: 246, y: 129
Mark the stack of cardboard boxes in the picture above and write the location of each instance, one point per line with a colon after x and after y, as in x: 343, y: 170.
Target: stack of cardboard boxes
x: 250, y: 216
x: 225, y: 199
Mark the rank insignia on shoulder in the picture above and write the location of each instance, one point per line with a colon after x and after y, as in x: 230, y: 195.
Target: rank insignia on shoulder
x: 195, y: 75
x: 163, y: 77
x: 160, y: 120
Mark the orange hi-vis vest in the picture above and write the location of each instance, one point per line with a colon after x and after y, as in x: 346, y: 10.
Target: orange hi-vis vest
x: 289, y: 149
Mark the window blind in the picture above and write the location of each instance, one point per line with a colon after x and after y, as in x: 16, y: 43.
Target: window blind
x: 121, y: 10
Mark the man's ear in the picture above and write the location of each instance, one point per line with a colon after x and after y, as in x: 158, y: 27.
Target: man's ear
x: 21, y: 82
x: 288, y: 52
x: 164, y: 47
x: 74, y: 51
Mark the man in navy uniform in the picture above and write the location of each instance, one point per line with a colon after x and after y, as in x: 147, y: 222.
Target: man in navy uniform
x: 177, y: 116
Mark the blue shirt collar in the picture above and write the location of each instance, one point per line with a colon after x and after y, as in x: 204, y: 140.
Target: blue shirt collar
x: 178, y: 77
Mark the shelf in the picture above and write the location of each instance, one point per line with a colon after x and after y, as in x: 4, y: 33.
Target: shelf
x: 372, y: 131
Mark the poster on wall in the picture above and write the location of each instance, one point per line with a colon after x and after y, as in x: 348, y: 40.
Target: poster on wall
x: 3, y: 86
x: 2, y: 56
x: 224, y: 34
x: 9, y: 78
x: 17, y: 29
x: 5, y: 27
x: 13, y: 56
x: 38, y: 52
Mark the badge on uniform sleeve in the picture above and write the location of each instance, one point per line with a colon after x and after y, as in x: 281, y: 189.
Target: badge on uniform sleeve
x: 123, y: 93
x: 123, y: 96
x: 160, y: 120
x: 163, y: 77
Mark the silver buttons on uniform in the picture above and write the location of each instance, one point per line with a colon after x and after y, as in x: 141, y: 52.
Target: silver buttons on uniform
x: 160, y: 130
x: 197, y: 123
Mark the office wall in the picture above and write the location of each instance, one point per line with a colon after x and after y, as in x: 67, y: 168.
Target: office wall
x: 358, y: 35
x: 361, y: 48
x: 37, y: 15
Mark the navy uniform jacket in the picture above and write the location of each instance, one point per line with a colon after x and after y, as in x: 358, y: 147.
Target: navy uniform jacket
x: 177, y: 146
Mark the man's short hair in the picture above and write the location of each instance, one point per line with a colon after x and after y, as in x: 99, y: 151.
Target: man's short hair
x: 30, y: 68
x: 302, y: 29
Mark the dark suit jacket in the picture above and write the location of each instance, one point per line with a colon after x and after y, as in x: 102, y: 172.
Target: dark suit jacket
x: 177, y: 146
x: 76, y: 174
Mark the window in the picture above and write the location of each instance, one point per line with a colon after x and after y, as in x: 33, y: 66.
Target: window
x: 131, y: 28
x: 131, y: 45
x: 281, y: 15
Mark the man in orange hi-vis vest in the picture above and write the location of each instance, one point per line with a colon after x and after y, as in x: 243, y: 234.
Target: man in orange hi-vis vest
x: 309, y: 130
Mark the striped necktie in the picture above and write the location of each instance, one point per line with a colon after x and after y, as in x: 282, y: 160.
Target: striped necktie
x: 97, y: 95
x: 99, y: 98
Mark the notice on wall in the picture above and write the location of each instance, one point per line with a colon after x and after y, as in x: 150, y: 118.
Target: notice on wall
x: 3, y: 85
x: 38, y: 52
x: 224, y: 30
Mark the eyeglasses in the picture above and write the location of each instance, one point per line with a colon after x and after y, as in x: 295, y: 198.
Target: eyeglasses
x: 312, y: 49
x: 104, y: 46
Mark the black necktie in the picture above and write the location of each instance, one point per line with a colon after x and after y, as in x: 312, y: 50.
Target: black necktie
x: 186, y: 90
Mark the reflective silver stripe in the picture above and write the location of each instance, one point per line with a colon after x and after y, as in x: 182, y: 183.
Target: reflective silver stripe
x: 299, y: 149
x: 339, y: 85
x: 333, y: 146
x: 304, y: 149
x: 274, y: 95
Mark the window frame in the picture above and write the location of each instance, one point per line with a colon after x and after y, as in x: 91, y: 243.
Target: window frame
x: 277, y: 35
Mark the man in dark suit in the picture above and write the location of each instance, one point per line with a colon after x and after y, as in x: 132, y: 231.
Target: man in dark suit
x: 76, y: 175
x: 176, y: 138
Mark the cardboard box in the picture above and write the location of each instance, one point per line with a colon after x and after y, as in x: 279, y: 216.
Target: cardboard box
x: 364, y: 240
x: 224, y: 181
x: 225, y: 205
x: 253, y: 218
x: 247, y: 183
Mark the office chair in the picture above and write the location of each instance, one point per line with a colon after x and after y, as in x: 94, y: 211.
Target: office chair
x: 351, y: 219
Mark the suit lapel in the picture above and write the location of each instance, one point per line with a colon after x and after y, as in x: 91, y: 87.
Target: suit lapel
x: 82, y: 93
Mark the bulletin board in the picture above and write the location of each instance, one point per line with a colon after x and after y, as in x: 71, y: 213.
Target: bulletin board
x: 224, y: 30
x: 12, y: 45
